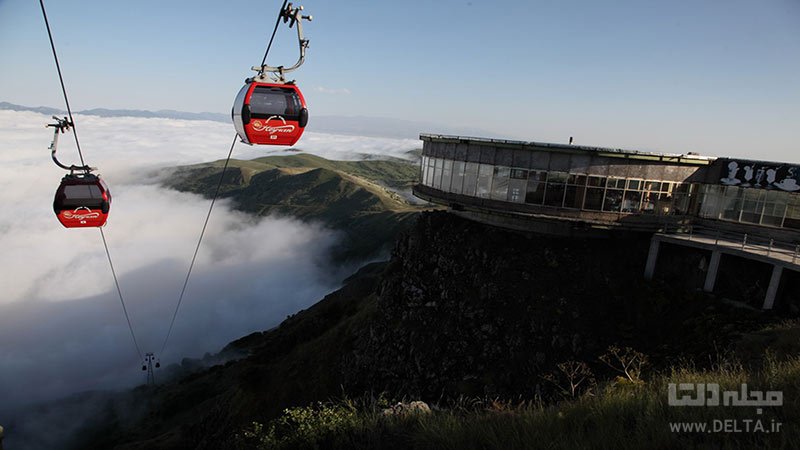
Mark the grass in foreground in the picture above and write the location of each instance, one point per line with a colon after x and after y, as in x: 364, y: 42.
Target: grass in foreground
x: 619, y: 414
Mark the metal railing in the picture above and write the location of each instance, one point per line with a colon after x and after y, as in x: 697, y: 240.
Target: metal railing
x: 743, y: 241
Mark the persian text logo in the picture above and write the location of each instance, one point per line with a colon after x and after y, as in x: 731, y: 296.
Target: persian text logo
x: 265, y: 126
x: 81, y: 213
x: 708, y: 394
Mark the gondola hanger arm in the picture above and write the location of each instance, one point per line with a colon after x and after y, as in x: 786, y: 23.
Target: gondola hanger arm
x: 292, y: 15
x: 62, y: 126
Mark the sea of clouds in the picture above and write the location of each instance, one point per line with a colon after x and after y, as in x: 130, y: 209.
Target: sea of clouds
x: 62, y: 328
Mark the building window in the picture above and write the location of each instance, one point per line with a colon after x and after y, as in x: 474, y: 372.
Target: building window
x: 575, y: 192
x: 534, y: 193
x: 519, y: 174
x: 596, y: 182
x: 792, y: 219
x: 711, y: 201
x: 649, y: 201
x: 431, y: 163
x: 500, y: 183
x: 470, y: 179
x: 752, y: 203
x: 594, y: 199
x: 447, y: 174
x: 680, y: 198
x: 632, y: 201
x: 437, y: 173
x: 484, y: 180
x: 612, y: 201
x: 556, y: 186
x: 756, y: 206
x: 775, y: 208
x: 459, y: 170
x: 516, y: 185
x: 730, y: 204
x: 595, y: 192
x: 650, y: 185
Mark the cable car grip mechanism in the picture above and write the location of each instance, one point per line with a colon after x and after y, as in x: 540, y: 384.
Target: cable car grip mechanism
x: 292, y: 15
x: 62, y: 126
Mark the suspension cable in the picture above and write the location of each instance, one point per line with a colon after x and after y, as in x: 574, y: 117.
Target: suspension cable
x: 83, y: 163
x: 199, y: 241
x: 210, y: 209
x: 214, y: 198
x: 274, y: 30
x: 119, y: 292
x: 61, y: 79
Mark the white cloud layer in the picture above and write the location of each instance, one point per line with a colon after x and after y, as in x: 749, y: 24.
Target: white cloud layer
x: 62, y: 329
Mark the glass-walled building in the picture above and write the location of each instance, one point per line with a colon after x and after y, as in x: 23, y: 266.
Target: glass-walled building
x: 753, y: 192
x: 605, y: 185
x: 579, y: 191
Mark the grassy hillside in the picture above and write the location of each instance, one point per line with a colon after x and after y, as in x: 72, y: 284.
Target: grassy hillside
x: 294, y: 362
x: 361, y: 199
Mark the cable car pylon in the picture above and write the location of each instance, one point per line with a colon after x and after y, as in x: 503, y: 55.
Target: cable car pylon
x: 149, y: 362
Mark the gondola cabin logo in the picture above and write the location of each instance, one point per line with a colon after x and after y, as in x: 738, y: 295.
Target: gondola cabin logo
x: 274, y: 125
x: 81, y: 214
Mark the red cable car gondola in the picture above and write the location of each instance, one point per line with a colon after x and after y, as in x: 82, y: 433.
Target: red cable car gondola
x: 269, y: 110
x: 82, y: 200
x: 270, y: 113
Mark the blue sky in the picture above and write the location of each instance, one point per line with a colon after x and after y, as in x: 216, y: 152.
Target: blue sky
x: 717, y: 77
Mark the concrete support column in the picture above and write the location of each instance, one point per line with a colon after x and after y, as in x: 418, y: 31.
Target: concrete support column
x: 711, y: 275
x: 652, y: 257
x: 772, y: 290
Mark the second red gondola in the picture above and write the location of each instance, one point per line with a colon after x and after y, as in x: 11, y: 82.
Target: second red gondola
x: 82, y: 200
x: 270, y: 113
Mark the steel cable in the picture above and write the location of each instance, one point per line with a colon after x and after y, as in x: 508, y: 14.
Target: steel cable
x: 61, y: 79
x: 274, y: 30
x: 214, y: 198
x: 197, y: 248
x: 83, y: 163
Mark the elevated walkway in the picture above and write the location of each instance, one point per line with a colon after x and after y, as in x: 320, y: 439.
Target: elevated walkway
x: 780, y: 255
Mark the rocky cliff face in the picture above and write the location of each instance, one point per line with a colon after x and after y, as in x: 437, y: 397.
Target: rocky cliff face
x: 468, y: 309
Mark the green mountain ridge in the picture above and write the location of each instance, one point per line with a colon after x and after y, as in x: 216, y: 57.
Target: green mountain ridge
x: 363, y: 200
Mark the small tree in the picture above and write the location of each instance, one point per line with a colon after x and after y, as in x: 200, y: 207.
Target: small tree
x: 573, y: 379
x: 627, y: 361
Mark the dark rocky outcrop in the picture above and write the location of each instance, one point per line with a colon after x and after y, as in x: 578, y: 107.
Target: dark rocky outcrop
x: 468, y: 309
